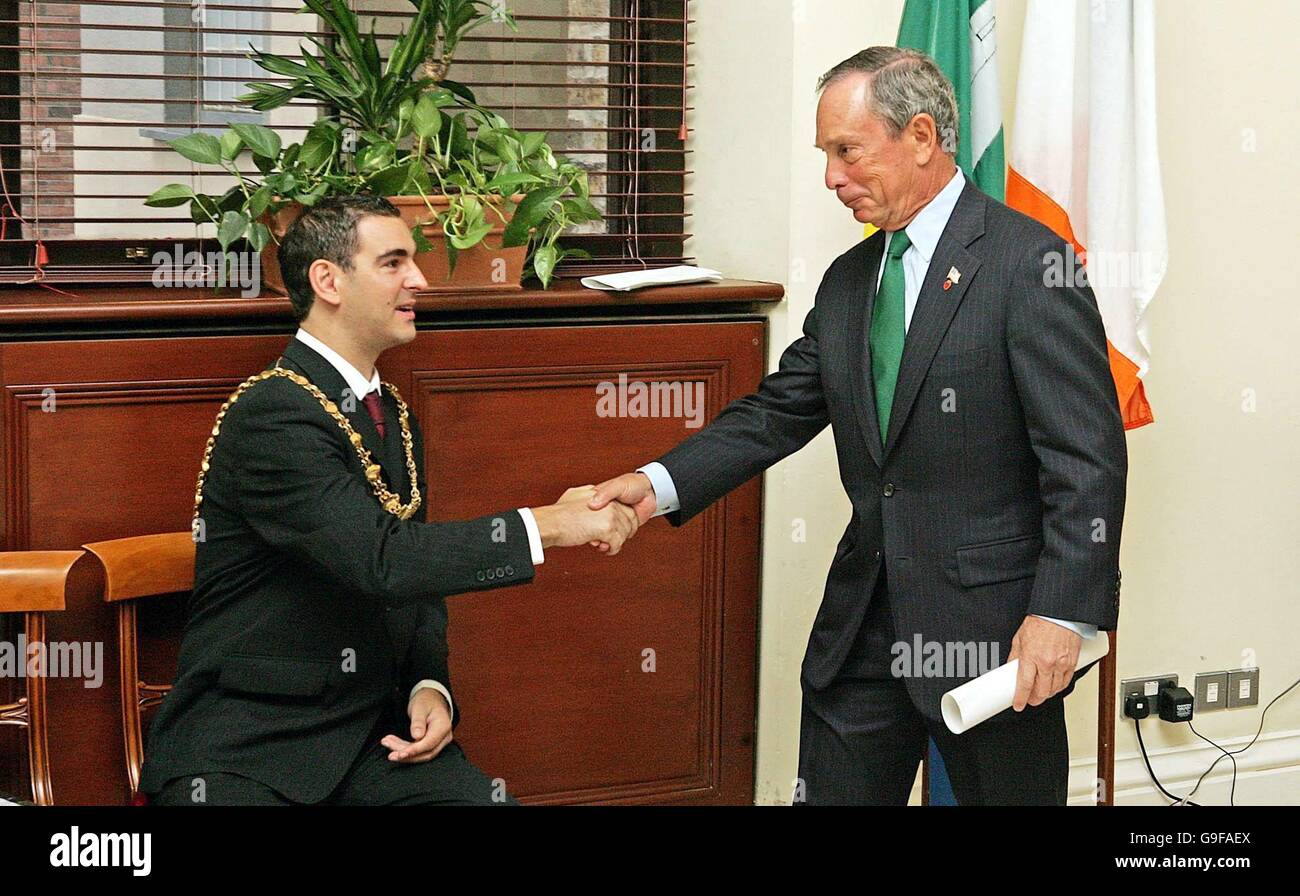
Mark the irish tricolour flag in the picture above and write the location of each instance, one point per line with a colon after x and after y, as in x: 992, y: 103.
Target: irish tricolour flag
x: 960, y: 36
x: 1084, y: 162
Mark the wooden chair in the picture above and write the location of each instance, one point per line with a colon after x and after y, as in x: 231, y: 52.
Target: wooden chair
x: 34, y: 583
x: 145, y: 567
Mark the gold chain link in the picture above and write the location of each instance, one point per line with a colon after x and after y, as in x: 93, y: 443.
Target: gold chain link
x: 389, y: 501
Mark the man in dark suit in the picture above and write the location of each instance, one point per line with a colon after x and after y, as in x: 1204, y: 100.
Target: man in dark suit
x: 980, y: 442
x: 316, y: 634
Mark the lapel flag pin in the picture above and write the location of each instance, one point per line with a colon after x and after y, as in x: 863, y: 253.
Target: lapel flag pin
x: 954, y: 276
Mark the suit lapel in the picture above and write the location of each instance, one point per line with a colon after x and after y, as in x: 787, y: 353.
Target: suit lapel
x: 860, y: 304
x: 322, y: 374
x: 401, y: 622
x: 935, y: 306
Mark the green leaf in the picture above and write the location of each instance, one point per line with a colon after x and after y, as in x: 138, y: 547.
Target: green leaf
x: 531, y: 212
x: 265, y: 97
x: 231, y: 200
x: 507, y: 149
x: 460, y: 90
x: 258, y: 236
x: 203, y: 210
x: 316, y: 150
x: 376, y: 156
x: 459, y: 137
x: 507, y: 182
x: 532, y: 142
x: 544, y: 260
x: 389, y: 181
x: 170, y: 196
x: 580, y: 210
x: 442, y: 97
x: 422, y: 243
x: 231, y: 228
x: 314, y: 195
x: 452, y: 254
x: 426, y: 120
x: 278, y: 65
x: 258, y: 202
x: 261, y: 140
x: 199, y: 147
x: 418, y: 175
x: 231, y: 144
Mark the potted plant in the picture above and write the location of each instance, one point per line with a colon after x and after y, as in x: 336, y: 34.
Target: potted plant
x: 496, y: 199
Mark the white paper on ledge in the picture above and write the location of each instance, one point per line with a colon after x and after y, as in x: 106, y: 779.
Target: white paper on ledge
x: 980, y: 699
x: 629, y: 280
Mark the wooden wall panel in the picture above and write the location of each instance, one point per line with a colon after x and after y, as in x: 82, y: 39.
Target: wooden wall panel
x: 549, y: 676
x: 559, y: 665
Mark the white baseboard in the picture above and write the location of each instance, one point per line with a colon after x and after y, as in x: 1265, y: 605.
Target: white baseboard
x: 1268, y: 774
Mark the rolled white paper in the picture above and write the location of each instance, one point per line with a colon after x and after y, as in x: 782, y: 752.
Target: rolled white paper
x: 982, y: 698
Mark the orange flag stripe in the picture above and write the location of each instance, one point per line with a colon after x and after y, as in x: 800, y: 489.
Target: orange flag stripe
x: 1025, y: 197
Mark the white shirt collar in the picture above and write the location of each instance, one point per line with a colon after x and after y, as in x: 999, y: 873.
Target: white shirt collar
x: 928, y: 225
x: 356, y: 382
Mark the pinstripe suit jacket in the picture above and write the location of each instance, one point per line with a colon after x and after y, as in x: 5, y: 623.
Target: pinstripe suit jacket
x: 998, y: 491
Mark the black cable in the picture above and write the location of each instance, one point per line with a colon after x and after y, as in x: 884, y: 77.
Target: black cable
x: 1258, y: 731
x: 1232, y: 793
x: 1176, y: 800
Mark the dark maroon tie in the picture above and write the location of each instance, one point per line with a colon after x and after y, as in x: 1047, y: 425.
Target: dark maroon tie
x: 376, y: 410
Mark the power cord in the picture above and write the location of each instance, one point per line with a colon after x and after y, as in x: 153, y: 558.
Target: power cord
x: 1177, y: 801
x: 1233, y: 753
x: 1232, y: 793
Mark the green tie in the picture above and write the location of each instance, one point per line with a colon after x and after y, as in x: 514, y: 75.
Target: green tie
x: 887, y: 329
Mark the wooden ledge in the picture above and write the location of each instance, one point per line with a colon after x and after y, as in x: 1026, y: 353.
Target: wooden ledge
x: 128, y: 302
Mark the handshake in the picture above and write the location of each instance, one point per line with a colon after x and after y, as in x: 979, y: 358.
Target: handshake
x: 603, y: 516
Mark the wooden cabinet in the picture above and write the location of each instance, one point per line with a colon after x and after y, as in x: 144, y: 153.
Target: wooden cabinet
x: 625, y: 679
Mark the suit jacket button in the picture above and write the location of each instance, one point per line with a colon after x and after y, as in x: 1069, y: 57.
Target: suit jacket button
x: 888, y: 490
x: 510, y: 570
x: 482, y: 576
x: 501, y: 572
x: 877, y: 555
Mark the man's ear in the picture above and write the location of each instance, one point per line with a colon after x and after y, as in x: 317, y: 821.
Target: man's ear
x: 323, y: 276
x: 924, y: 136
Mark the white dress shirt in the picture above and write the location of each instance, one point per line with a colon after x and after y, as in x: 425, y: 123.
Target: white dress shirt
x: 924, y: 232
x: 361, y: 387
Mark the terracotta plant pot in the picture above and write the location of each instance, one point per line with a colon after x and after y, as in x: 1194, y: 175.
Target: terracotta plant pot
x: 484, y: 267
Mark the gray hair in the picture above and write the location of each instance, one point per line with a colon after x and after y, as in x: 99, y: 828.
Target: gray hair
x: 903, y: 84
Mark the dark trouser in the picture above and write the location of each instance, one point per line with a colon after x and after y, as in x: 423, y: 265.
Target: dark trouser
x: 373, y: 780
x: 861, y: 738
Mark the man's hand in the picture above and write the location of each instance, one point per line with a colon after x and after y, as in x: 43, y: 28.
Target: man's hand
x: 631, y: 489
x: 430, y: 728
x: 1048, y: 654
x: 571, y: 521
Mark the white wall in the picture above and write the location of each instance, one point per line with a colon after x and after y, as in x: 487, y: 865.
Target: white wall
x: 1210, y: 555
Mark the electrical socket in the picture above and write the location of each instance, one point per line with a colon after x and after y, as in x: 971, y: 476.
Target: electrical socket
x: 1211, y: 691
x: 1243, y: 687
x: 1148, y: 687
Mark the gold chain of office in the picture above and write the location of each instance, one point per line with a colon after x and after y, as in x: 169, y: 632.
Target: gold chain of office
x: 387, y: 499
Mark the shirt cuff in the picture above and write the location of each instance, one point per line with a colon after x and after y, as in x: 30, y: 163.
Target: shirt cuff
x: 430, y: 683
x: 534, y: 536
x: 665, y: 491
x: 1085, y: 630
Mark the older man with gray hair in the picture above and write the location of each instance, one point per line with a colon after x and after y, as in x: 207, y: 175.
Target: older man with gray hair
x: 980, y: 442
